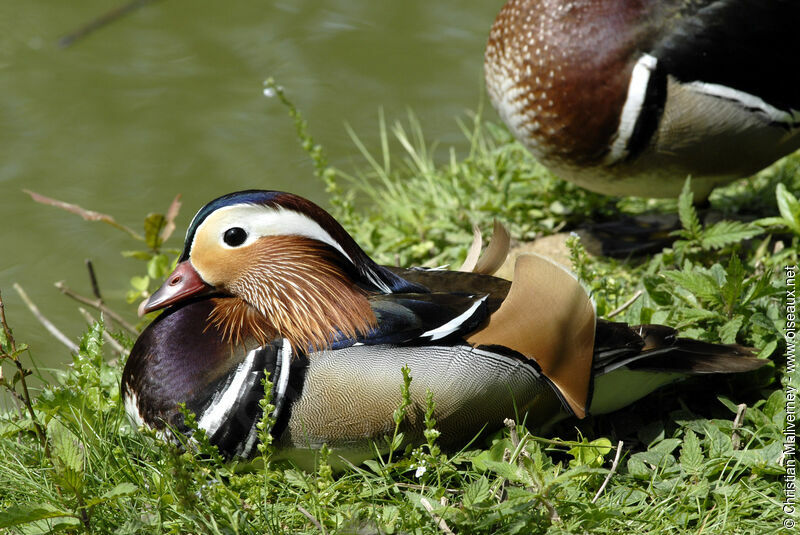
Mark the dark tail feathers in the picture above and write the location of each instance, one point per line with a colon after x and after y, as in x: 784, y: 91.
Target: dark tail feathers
x: 658, y: 348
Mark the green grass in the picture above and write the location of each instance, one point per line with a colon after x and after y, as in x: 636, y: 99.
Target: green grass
x: 685, y: 466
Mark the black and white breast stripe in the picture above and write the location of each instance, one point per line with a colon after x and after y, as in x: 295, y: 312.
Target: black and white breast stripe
x: 231, y: 416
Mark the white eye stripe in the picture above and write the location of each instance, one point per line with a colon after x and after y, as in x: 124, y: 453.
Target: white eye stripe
x: 259, y: 221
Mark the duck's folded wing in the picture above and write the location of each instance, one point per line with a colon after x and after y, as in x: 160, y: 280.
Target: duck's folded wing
x: 420, y: 318
x: 446, y: 281
x: 548, y: 318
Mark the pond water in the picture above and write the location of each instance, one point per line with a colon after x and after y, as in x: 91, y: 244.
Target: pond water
x: 168, y: 100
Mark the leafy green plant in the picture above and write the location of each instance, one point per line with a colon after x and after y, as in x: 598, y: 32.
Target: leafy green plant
x: 695, y: 237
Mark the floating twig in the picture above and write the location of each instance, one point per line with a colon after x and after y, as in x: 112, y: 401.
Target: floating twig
x: 101, y: 21
x: 98, y: 305
x: 46, y: 323
x: 626, y: 304
x: 610, y: 472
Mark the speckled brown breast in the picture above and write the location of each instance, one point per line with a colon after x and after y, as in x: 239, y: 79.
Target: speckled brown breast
x: 558, y: 73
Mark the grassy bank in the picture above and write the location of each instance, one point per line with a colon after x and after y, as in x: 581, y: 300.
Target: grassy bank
x: 700, y: 457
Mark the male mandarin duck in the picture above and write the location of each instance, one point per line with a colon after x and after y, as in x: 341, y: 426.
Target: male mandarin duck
x: 629, y: 97
x: 270, y: 285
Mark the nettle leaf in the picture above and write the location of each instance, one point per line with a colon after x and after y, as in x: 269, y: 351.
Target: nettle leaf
x: 718, y: 273
x: 726, y: 232
x: 666, y: 446
x: 763, y: 287
x: 638, y: 469
x: 17, y: 515
x: 693, y: 315
x: 734, y: 282
x: 92, y: 342
x: 731, y: 406
x: 691, y: 457
x: 390, y: 515
x: 765, y: 459
x: 510, y: 472
x: 296, y: 479
x: 657, y: 457
x: 120, y: 491
x: 698, y: 490
x: 700, y: 284
x: 775, y: 407
x: 657, y: 290
x: 687, y: 212
x: 789, y: 207
x: 590, y: 453
x: 476, y: 493
x: 728, y: 332
x: 68, y: 456
x: 768, y: 349
x: 719, y: 444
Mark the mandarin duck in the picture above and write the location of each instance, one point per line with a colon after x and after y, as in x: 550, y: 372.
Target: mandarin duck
x: 629, y: 97
x: 269, y: 285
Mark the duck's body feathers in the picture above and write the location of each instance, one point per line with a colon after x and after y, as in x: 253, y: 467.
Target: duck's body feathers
x: 486, y: 349
x: 345, y: 396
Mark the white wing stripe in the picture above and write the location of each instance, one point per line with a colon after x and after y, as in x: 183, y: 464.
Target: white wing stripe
x: 453, y: 325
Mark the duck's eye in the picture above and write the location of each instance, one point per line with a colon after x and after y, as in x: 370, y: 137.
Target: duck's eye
x: 235, y: 236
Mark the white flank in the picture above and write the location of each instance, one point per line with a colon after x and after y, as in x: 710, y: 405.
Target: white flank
x: 751, y: 102
x: 453, y: 325
x: 226, y: 399
x: 637, y: 91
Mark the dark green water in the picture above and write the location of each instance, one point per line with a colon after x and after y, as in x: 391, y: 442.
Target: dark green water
x: 169, y: 100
